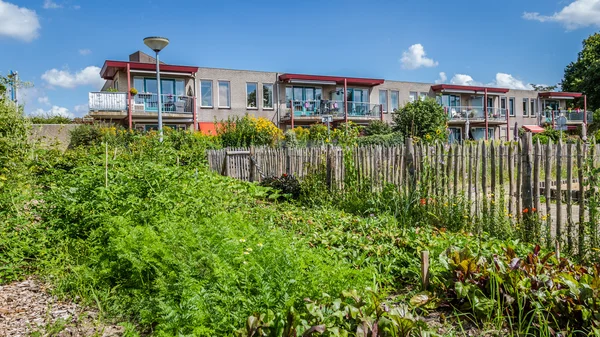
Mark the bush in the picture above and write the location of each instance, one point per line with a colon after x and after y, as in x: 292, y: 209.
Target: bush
x: 317, y: 134
x: 377, y: 128
x: 423, y: 119
x: 50, y: 119
x: 85, y: 135
x: 387, y: 139
x: 288, y: 185
x: 247, y: 131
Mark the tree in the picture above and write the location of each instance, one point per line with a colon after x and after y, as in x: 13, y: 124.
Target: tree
x: 539, y: 87
x: 583, y: 75
x: 425, y: 119
x: 377, y: 127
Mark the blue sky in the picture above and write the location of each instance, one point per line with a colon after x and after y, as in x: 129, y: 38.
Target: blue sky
x: 59, y: 45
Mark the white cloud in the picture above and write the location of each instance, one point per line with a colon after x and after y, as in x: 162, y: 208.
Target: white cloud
x: 54, y: 111
x: 84, y: 52
x: 502, y: 80
x: 18, y: 22
x: 508, y: 81
x: 462, y: 79
x: 49, y: 4
x: 44, y: 100
x: 579, y: 13
x: 415, y: 58
x: 81, y: 110
x: 443, y: 78
x: 65, y: 79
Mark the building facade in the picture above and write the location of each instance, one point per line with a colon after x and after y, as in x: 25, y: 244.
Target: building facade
x: 198, y: 97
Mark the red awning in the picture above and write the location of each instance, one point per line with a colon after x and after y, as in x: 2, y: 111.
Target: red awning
x: 468, y: 88
x: 301, y: 78
x: 110, y: 68
x: 533, y: 128
x: 559, y: 95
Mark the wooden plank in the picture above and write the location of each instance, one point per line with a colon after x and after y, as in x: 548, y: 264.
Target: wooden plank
x: 569, y: 198
x: 501, y: 160
x: 238, y: 153
x: 511, y: 179
x: 559, y: 158
x: 581, y: 230
x: 476, y: 190
x: 518, y: 181
x: 493, y: 163
x: 537, y: 154
x: 526, y: 184
x: 484, y: 170
x: 547, y: 189
x: 455, y: 171
x: 470, y: 185
x: 447, y: 175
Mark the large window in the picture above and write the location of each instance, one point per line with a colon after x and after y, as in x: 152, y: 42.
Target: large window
x: 267, y: 96
x: 525, y: 106
x: 503, y: 106
x: 206, y: 99
x: 224, y: 94
x: 168, y: 86
x: 511, y: 106
x: 394, y: 100
x: 251, y: 89
x: 116, y: 85
x: 422, y: 96
x: 412, y: 96
x: 533, y: 105
x: 383, y: 99
x: 302, y: 94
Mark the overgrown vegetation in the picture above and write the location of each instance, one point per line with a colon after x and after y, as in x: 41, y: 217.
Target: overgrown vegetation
x: 422, y: 119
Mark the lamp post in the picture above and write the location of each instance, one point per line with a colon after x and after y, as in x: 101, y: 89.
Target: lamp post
x: 157, y: 44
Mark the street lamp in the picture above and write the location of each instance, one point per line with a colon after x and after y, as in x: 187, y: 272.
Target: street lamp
x: 157, y: 44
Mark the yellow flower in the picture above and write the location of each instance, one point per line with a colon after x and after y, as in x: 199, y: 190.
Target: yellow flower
x: 259, y: 244
x: 246, y: 253
x: 249, y: 249
x: 242, y: 240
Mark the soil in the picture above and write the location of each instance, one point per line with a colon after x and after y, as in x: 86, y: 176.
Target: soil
x: 27, y: 309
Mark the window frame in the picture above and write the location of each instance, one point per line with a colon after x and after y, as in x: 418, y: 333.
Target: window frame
x: 384, y: 105
x: 410, y: 95
x: 525, y: 107
x: 211, y: 94
x: 255, y: 107
x: 272, y: 107
x: 228, y: 94
x: 511, y: 107
x: 423, y: 96
x: 532, y: 106
x: 397, y: 100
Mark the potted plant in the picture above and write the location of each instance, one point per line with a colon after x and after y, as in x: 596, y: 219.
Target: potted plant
x: 133, y: 91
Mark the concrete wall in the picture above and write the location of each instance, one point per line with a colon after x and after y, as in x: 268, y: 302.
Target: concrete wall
x: 49, y: 135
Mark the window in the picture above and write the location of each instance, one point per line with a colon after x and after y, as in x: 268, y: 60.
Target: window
x: 224, y: 95
x: 267, y: 96
x: 179, y: 88
x: 116, y: 85
x: 412, y: 97
x: 525, y: 105
x: 422, y: 96
x: 511, y: 106
x: 206, y: 99
x: 138, y: 84
x: 289, y: 96
x: 455, y: 135
x: 383, y: 99
x: 533, y: 106
x: 251, y: 89
x: 394, y: 100
x: 503, y: 106
x: 479, y: 133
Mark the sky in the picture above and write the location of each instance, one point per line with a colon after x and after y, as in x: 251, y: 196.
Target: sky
x: 60, y: 45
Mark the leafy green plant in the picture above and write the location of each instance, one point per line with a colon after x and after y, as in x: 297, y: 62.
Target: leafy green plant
x: 289, y: 186
x: 424, y: 119
x: 377, y: 127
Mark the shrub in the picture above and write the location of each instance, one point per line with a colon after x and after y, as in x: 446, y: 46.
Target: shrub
x: 290, y: 139
x: 288, y: 185
x: 317, y: 133
x: 85, y: 135
x: 247, y: 131
x: 346, y: 134
x: 50, y: 119
x: 424, y: 119
x: 377, y: 127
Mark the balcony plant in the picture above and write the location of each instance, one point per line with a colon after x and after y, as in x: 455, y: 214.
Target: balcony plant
x: 133, y: 91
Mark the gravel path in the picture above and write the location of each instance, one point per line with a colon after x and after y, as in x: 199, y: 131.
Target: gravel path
x: 26, y: 309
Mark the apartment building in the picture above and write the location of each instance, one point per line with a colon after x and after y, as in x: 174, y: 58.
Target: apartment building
x: 197, y: 97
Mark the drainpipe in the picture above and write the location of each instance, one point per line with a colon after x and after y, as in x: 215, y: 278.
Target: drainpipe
x: 486, y: 112
x: 507, y: 113
x: 346, y: 102
x: 585, y: 110
x: 276, y: 99
x: 129, y: 110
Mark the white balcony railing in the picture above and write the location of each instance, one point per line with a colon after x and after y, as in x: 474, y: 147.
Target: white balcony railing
x: 107, y: 101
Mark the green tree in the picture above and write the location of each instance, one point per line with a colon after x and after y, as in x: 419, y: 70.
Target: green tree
x: 377, y: 127
x: 540, y: 87
x: 583, y: 75
x: 424, y: 119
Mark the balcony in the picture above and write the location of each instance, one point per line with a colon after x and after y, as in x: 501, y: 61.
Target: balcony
x: 475, y: 114
x: 572, y: 117
x: 144, y: 103
x: 315, y: 109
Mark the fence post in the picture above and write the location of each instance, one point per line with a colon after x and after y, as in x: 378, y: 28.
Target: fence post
x: 287, y: 161
x: 410, y: 162
x: 526, y: 188
x: 252, y: 175
x: 425, y: 269
x: 225, y: 166
x: 329, y: 167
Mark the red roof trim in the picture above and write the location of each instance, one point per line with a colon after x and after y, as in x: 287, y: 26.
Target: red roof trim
x: 560, y: 94
x: 337, y: 79
x: 441, y: 87
x: 109, y: 67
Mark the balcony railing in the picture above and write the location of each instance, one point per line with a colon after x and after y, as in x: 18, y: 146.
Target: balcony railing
x: 148, y: 102
x: 572, y: 117
x: 475, y: 113
x: 317, y: 108
x: 107, y: 101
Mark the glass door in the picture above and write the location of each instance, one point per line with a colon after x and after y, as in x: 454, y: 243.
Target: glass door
x: 150, y: 94
x: 167, y: 88
x: 309, y: 98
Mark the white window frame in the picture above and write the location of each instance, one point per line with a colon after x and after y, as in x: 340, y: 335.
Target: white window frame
x: 514, y: 102
x: 526, y: 107
x: 423, y: 95
x: 387, y: 101
x: 397, y: 100
x: 219, y: 94
x: 212, y: 90
x: 532, y: 106
x: 255, y: 97
x: 272, y: 107
x: 410, y: 96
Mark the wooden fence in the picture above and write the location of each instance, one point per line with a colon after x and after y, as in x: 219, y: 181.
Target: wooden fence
x: 521, y: 175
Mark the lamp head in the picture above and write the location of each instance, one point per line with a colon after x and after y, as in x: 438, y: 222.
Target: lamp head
x: 156, y: 43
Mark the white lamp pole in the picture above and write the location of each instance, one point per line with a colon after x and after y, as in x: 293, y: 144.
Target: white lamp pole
x: 157, y: 44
